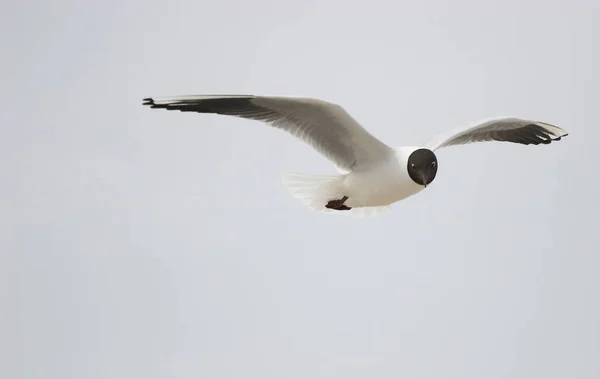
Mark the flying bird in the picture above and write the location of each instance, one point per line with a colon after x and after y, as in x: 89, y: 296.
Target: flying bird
x: 373, y: 175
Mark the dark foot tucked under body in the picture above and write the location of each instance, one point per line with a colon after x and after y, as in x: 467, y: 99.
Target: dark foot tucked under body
x: 338, y: 205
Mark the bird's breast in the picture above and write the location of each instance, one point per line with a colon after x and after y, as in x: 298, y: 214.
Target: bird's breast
x: 380, y: 185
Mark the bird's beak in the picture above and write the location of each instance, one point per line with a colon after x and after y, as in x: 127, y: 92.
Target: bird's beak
x: 425, y: 182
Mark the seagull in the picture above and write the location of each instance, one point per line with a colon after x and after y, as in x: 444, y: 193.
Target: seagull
x: 372, y: 175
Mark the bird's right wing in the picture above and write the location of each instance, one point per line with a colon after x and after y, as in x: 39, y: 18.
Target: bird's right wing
x: 327, y: 127
x: 506, y: 129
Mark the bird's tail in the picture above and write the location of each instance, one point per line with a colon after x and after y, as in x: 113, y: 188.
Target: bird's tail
x: 316, y: 191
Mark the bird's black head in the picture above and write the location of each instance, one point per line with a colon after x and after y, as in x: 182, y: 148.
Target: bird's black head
x: 422, y: 166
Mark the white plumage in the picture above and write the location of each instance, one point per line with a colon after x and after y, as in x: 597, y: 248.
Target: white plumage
x: 372, y: 175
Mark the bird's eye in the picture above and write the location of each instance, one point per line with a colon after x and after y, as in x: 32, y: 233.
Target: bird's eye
x: 412, y: 165
x: 432, y: 164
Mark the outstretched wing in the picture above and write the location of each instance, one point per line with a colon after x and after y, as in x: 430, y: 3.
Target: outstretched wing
x: 326, y: 127
x: 501, y: 129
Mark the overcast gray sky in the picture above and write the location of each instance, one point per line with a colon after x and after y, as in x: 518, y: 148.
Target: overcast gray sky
x: 149, y: 244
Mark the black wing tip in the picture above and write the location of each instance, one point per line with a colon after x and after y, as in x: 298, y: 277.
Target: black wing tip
x: 550, y: 137
x: 148, y: 101
x: 558, y: 138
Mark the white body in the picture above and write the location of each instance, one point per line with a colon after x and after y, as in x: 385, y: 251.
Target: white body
x: 370, y: 189
x: 383, y: 183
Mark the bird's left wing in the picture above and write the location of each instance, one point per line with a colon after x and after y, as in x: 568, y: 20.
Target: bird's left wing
x: 506, y: 129
x: 327, y: 127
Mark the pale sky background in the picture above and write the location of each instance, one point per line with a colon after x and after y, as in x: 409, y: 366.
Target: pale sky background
x: 149, y: 244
